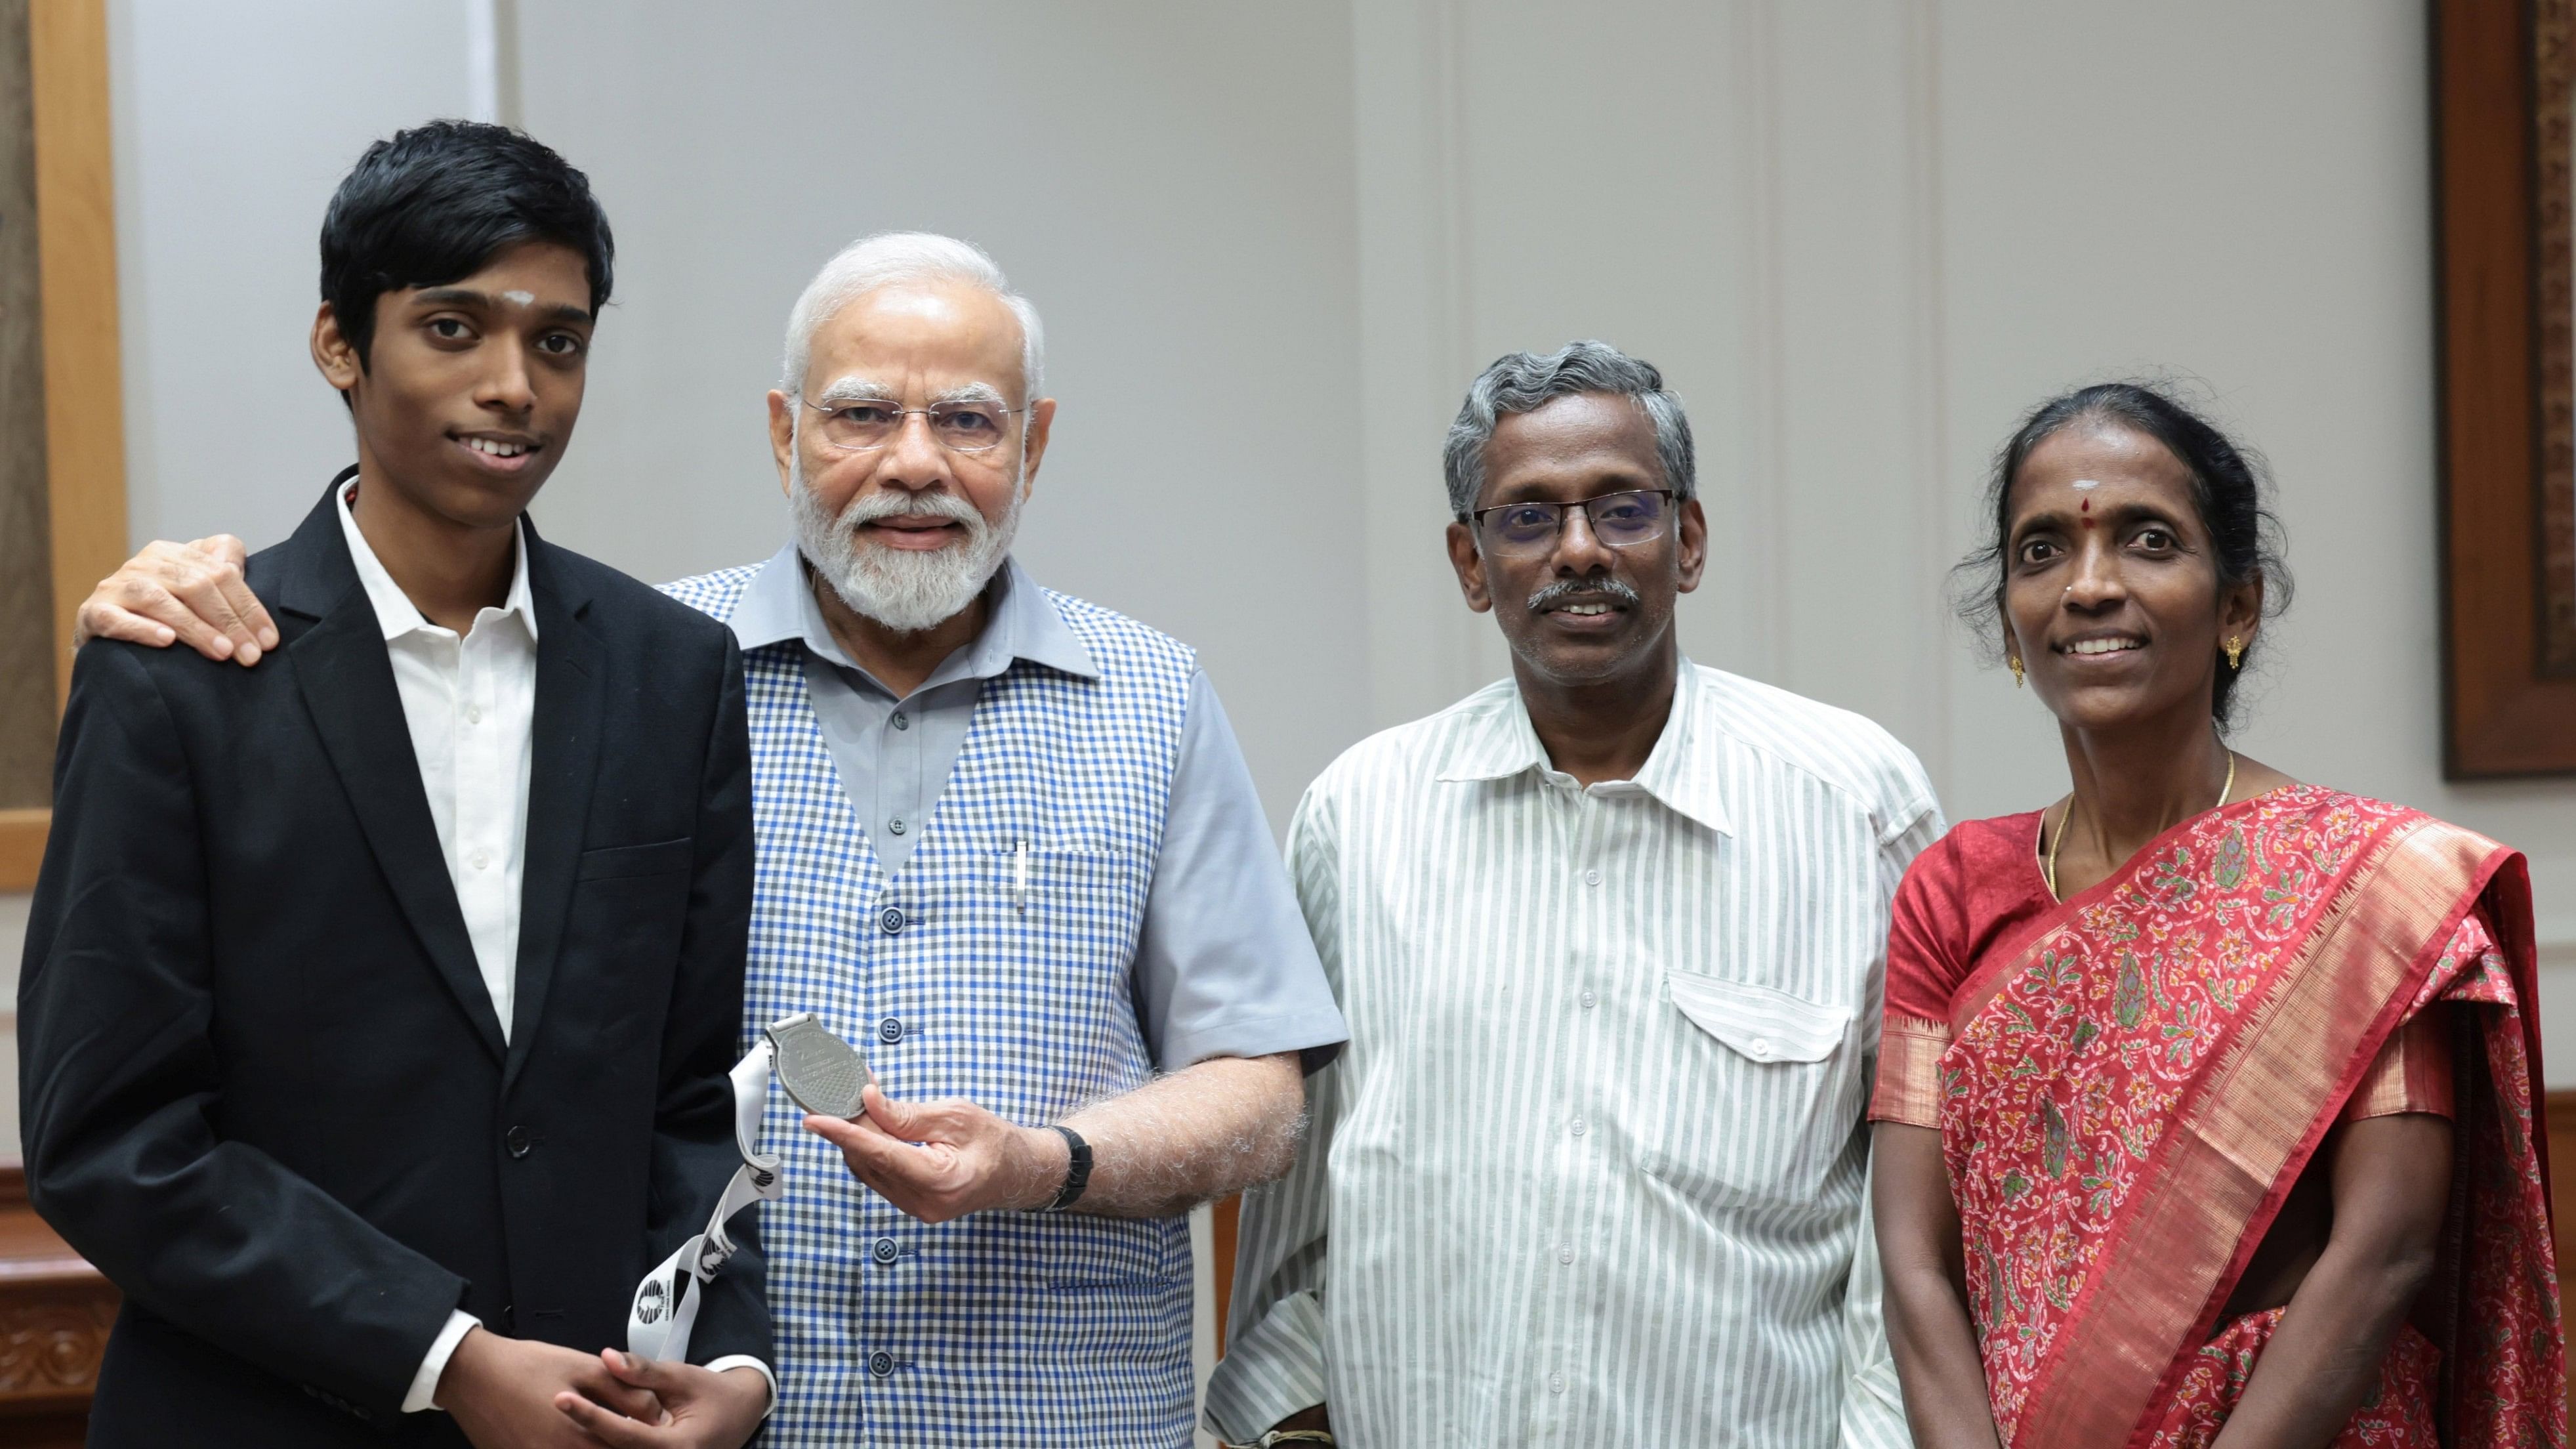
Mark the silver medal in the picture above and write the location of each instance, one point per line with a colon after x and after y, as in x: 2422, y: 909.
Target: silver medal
x: 822, y: 1073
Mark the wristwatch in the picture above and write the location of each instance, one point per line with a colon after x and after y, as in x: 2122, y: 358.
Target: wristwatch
x: 1077, y: 1171
x: 1287, y: 1436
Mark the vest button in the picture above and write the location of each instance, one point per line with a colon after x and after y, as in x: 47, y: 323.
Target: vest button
x: 881, y: 1363
x: 885, y: 1250
x: 518, y: 1141
x: 890, y: 1031
x: 892, y: 920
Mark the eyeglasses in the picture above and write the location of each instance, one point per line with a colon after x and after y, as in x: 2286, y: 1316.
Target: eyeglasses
x: 1619, y: 520
x: 960, y: 427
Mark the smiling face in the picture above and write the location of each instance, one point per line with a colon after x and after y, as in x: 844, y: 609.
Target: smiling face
x: 2112, y: 597
x: 908, y: 532
x: 470, y: 389
x: 1580, y: 612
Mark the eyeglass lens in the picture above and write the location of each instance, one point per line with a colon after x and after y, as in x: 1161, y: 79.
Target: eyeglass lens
x: 963, y: 427
x: 1618, y: 520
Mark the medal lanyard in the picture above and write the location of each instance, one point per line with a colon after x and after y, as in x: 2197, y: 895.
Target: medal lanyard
x: 822, y: 1074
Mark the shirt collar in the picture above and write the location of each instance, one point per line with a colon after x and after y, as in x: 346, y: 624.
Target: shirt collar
x: 778, y: 605
x: 396, y: 614
x: 1499, y: 742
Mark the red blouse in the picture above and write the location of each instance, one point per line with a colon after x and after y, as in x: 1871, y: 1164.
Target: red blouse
x: 1979, y: 890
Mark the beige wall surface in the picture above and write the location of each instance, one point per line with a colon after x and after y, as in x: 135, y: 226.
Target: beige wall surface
x: 1860, y: 238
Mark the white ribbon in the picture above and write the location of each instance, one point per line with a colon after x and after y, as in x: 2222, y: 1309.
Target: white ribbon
x: 665, y: 1306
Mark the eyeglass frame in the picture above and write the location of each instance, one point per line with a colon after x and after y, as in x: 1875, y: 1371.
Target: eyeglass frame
x: 900, y: 413
x: 1476, y: 516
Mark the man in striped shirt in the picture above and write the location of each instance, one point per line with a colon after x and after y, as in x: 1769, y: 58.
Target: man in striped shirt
x: 1609, y: 936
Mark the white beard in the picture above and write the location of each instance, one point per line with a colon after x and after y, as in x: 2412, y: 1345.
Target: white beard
x: 907, y: 590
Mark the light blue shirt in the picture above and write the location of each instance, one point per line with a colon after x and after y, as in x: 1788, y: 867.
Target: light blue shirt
x: 1223, y: 957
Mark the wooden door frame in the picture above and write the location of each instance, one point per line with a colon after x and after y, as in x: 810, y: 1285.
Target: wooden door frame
x: 2505, y: 414
x: 84, y: 384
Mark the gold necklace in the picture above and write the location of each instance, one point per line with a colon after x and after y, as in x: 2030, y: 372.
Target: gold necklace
x: 2051, y: 863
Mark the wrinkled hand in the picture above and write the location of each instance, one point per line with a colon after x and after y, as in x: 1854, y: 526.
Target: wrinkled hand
x: 191, y: 593
x: 945, y: 1159
x: 701, y: 1410
x: 504, y: 1393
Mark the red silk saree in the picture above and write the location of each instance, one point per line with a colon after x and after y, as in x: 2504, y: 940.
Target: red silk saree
x: 2129, y: 1084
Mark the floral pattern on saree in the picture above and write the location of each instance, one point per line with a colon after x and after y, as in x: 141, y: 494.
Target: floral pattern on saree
x: 2058, y: 1092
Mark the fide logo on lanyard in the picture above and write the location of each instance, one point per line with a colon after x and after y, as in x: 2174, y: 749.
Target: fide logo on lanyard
x: 824, y: 1075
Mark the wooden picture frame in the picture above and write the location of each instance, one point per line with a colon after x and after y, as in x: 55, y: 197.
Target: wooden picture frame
x: 84, y: 403
x: 2503, y: 75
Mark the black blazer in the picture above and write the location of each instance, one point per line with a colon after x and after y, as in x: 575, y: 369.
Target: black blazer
x: 264, y: 1087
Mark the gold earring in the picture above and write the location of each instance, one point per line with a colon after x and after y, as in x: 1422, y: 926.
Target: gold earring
x: 2235, y: 653
x: 2013, y: 663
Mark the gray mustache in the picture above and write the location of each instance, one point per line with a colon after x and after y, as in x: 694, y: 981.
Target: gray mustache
x: 1567, y: 590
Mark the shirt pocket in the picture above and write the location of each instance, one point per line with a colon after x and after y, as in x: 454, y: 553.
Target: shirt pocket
x: 1074, y: 894
x: 1753, y: 1105
x: 622, y: 862
x: 629, y: 910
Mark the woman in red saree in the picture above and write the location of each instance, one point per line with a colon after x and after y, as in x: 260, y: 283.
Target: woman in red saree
x: 2207, y: 1099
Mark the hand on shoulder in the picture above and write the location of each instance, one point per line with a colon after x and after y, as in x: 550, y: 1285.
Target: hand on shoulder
x: 193, y: 593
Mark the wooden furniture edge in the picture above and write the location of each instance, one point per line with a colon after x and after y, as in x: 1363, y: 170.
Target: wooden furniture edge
x: 22, y: 847
x: 76, y: 256
x: 1225, y: 1218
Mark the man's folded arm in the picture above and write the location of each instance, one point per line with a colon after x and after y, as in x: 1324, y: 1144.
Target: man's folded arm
x: 1873, y: 1408
x: 119, y: 1074
x: 1274, y: 1342
x: 694, y: 1153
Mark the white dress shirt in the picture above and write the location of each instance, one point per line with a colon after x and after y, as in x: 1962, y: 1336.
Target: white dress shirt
x: 471, y: 703
x: 1593, y: 1168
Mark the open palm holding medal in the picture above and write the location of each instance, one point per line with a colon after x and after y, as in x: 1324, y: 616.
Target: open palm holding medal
x: 933, y: 1160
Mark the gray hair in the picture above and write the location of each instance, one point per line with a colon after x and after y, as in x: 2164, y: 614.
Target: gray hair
x: 892, y: 258
x: 1521, y: 382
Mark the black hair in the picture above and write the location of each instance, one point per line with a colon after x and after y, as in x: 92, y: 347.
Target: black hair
x: 436, y: 202
x: 2229, y: 488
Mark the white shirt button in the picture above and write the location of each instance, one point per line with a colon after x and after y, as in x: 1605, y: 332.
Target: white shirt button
x: 1565, y: 1254
x: 482, y: 860
x: 473, y: 714
x: 1592, y: 877
x: 1590, y: 1001
x: 1556, y: 1383
x: 1761, y: 1047
x: 1578, y: 1127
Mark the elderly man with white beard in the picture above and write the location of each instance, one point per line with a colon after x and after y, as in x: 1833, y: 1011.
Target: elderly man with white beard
x: 1007, y: 842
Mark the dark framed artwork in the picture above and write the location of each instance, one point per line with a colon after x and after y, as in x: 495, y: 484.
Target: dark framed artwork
x: 2504, y: 84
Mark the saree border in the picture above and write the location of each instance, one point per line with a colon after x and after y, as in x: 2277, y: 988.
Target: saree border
x: 1908, y: 1089
x: 2223, y: 1167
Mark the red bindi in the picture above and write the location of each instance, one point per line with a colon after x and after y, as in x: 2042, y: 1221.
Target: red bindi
x: 2087, y: 508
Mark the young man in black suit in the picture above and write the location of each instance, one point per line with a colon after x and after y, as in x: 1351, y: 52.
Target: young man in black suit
x: 376, y: 1010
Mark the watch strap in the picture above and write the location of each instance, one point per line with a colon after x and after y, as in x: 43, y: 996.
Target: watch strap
x: 1077, y: 1170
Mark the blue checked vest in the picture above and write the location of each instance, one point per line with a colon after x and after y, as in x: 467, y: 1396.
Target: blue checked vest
x: 999, y: 1329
